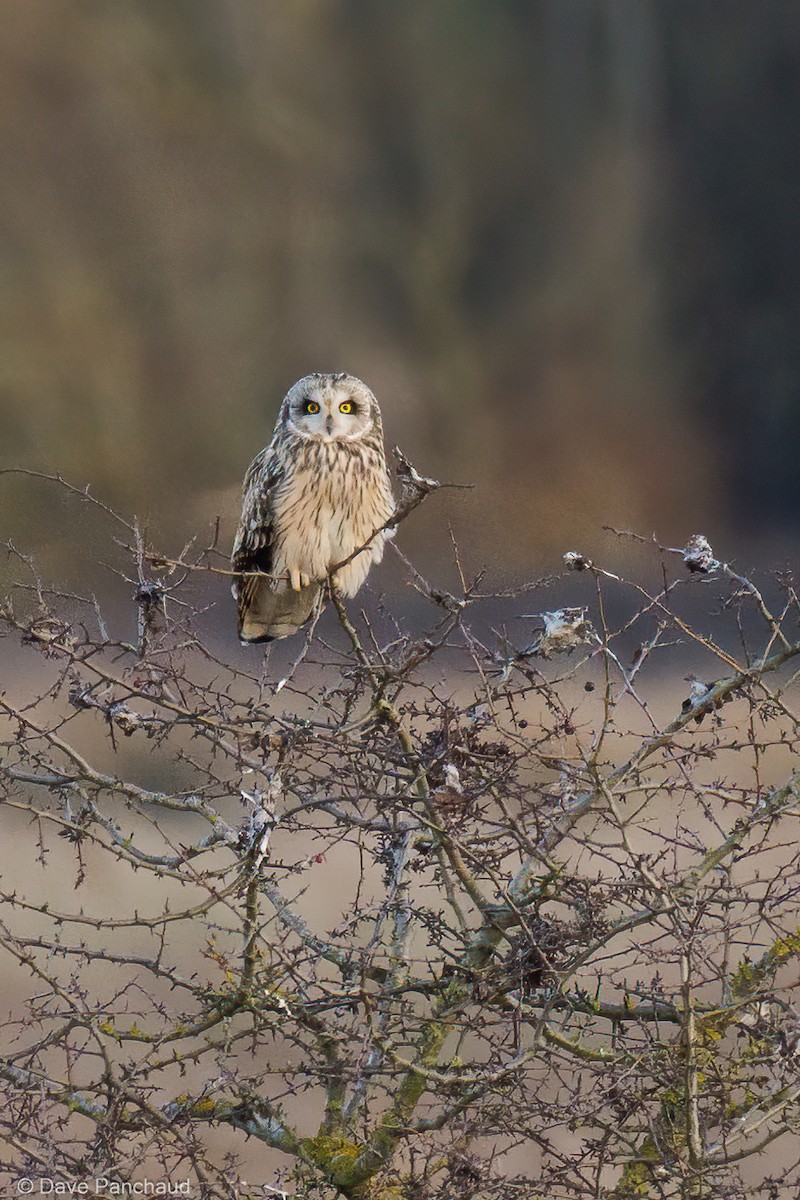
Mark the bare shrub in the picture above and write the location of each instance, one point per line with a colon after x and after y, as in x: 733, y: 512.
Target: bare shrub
x: 494, y: 913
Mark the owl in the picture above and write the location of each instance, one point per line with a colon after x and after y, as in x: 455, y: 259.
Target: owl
x: 319, y: 492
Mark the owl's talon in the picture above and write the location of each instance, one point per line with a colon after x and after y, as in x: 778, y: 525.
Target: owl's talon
x: 294, y: 579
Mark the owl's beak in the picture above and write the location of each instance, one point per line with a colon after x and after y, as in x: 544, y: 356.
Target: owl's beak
x: 329, y: 425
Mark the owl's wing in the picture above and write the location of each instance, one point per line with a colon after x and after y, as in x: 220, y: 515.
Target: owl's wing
x: 266, y: 609
x: 253, y: 544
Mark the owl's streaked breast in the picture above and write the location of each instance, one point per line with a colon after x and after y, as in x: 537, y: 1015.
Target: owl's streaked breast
x: 330, y: 503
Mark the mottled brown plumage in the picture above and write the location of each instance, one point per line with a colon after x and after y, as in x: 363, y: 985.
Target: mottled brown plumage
x: 316, y: 494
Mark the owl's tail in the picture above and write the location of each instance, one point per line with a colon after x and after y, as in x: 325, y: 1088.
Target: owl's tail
x: 266, y: 614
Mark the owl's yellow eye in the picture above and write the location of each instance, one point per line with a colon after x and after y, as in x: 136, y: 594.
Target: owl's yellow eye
x: 312, y: 407
x: 345, y: 407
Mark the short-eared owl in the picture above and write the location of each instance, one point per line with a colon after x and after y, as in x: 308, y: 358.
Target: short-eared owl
x: 313, y: 496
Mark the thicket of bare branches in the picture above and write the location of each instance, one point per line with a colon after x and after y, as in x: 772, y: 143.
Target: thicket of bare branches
x: 489, y: 912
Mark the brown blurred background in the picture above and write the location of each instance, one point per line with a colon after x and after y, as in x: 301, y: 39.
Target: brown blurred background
x: 559, y: 238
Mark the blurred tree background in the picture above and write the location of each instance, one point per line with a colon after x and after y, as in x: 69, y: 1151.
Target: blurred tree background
x: 559, y: 238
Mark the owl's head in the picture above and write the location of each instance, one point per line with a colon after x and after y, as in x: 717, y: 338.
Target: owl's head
x: 330, y: 408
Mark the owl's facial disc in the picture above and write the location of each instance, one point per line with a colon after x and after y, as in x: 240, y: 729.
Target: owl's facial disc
x: 329, y: 408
